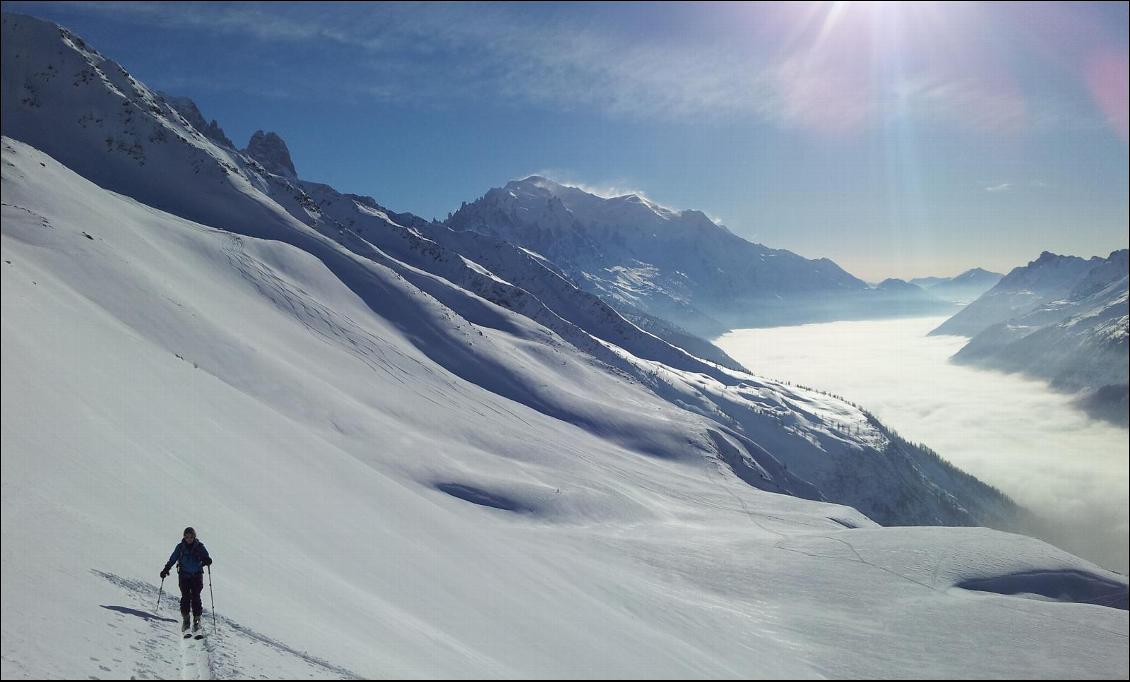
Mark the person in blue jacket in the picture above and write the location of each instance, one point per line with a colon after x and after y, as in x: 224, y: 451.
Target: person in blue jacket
x: 191, y: 557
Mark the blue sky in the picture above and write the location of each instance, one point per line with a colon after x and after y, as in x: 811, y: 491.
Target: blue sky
x: 899, y: 140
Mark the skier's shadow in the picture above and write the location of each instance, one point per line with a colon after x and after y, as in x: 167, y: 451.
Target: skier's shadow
x: 140, y: 614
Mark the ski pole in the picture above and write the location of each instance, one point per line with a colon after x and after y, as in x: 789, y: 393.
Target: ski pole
x: 159, y: 593
x: 213, y: 597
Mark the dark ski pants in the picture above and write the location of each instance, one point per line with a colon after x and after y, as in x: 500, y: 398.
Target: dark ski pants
x: 190, y: 588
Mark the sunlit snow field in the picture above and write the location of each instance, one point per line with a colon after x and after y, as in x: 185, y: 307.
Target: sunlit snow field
x: 1012, y: 432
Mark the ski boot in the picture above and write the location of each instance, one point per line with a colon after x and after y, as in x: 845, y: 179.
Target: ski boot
x: 196, y: 623
x: 184, y: 622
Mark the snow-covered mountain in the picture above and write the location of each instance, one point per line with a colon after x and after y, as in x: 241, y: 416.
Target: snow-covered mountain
x: 421, y: 451
x: 968, y: 286
x: 1068, y: 325
x: 964, y: 288
x: 676, y: 265
x: 1021, y: 291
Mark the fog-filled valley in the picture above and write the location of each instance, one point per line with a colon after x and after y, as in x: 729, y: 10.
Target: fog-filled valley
x: 1013, y: 432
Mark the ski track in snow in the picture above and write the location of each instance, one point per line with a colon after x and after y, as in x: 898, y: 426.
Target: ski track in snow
x: 210, y: 658
x: 195, y: 662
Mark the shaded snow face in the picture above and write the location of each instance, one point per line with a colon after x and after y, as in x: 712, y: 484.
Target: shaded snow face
x: 1012, y: 432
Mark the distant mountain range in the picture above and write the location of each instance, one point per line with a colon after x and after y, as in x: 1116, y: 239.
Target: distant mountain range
x: 963, y: 288
x: 1061, y: 318
x: 642, y: 257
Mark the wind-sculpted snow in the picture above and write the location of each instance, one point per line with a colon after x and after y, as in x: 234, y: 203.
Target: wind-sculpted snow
x: 487, y: 499
x: 418, y: 453
x: 1066, y: 585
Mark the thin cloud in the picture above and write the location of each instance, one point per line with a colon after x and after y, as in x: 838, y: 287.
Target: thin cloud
x: 817, y: 72
x: 607, y: 190
x: 1002, y: 187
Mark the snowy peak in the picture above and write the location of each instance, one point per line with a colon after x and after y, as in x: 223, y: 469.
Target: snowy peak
x: 1049, y: 275
x: 1047, y: 263
x: 1024, y: 289
x: 1104, y: 273
x: 538, y: 182
x: 62, y: 97
x: 622, y: 209
x: 270, y: 150
x: 643, y: 257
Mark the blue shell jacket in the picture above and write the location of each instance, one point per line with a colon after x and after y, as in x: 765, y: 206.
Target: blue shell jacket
x: 193, y: 558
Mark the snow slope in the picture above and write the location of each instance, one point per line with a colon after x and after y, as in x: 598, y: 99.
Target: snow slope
x: 373, y: 514
x: 429, y: 454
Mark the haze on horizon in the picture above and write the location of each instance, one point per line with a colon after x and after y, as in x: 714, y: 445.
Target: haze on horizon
x: 899, y: 140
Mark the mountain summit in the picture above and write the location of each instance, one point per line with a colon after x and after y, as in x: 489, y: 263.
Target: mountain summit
x: 637, y: 254
x: 270, y: 150
x: 1022, y: 290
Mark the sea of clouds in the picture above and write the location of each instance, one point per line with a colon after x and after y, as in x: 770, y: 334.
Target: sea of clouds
x: 1009, y: 431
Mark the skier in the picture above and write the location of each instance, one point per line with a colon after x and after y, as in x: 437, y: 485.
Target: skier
x: 191, y: 557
